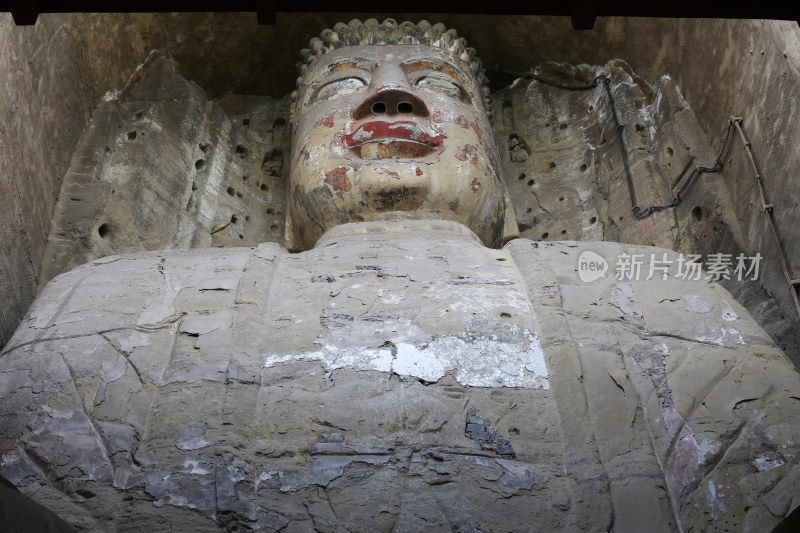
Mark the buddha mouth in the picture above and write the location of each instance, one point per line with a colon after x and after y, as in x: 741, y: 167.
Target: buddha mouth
x: 402, y: 139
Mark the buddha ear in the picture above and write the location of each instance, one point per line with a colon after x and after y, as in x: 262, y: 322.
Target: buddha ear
x: 510, y: 228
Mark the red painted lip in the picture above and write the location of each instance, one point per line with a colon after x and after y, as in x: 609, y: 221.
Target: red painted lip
x: 400, y: 139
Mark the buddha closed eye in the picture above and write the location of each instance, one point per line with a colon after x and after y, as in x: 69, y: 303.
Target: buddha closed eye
x: 352, y: 76
x: 338, y: 87
x: 441, y: 85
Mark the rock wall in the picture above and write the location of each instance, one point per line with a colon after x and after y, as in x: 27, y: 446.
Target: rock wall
x: 755, y: 74
x: 564, y: 160
x: 160, y: 167
x: 565, y: 170
x: 46, y: 101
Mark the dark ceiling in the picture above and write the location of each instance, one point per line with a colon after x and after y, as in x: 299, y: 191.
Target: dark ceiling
x: 582, y: 12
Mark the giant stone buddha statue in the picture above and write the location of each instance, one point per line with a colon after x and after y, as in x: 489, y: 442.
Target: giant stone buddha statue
x: 402, y: 369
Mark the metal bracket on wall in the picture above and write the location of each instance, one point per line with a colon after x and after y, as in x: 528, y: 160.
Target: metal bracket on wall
x: 768, y: 209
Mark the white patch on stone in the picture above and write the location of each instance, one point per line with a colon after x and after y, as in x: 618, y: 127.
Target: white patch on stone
x: 176, y: 500
x: 479, y: 300
x: 707, y: 449
x: 479, y: 361
x: 646, y: 115
x: 370, y: 358
x: 195, y: 443
x: 193, y: 467
x: 278, y: 359
x: 412, y: 361
x: 202, y: 324
x: 696, y: 304
x: 712, y: 491
x: 136, y: 339
x: 55, y: 413
x: 762, y: 463
x: 192, y: 437
x: 721, y: 340
x: 379, y: 359
x: 112, y: 371
x: 390, y: 299
x: 729, y: 314
x: 733, y: 333
x: 714, y: 503
x: 235, y: 475
x: 264, y: 476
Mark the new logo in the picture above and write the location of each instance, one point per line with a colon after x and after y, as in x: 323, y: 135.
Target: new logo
x: 591, y: 266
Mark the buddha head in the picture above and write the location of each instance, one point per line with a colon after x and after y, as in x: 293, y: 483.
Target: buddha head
x: 390, y: 123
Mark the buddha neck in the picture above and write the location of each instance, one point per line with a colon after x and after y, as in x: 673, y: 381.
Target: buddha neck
x: 443, y: 229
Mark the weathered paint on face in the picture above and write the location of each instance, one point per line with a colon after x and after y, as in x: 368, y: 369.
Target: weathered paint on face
x: 392, y: 132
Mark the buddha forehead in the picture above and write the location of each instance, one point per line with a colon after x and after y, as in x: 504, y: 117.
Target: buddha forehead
x: 368, y: 57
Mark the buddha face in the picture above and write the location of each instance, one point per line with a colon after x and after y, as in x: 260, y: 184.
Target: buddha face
x: 392, y: 132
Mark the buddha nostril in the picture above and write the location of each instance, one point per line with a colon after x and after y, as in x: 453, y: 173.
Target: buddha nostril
x: 405, y: 108
x: 379, y: 108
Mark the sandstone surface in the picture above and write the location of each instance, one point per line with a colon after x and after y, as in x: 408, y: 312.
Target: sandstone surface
x: 396, y: 377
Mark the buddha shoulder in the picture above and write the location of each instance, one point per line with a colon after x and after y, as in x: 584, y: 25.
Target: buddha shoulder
x: 146, y: 291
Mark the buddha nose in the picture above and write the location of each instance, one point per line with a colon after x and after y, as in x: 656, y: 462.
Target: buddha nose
x: 390, y: 95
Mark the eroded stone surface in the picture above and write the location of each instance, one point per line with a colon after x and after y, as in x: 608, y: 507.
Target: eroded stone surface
x: 225, y: 389
x: 161, y: 167
x: 217, y: 411
x: 566, y: 179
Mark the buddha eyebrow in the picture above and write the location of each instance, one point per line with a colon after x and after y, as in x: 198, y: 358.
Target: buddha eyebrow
x: 351, y: 63
x: 439, y: 66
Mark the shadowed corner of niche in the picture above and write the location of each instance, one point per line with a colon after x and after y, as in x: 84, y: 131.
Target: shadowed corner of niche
x: 790, y: 523
x: 510, y: 227
x: 20, y: 513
